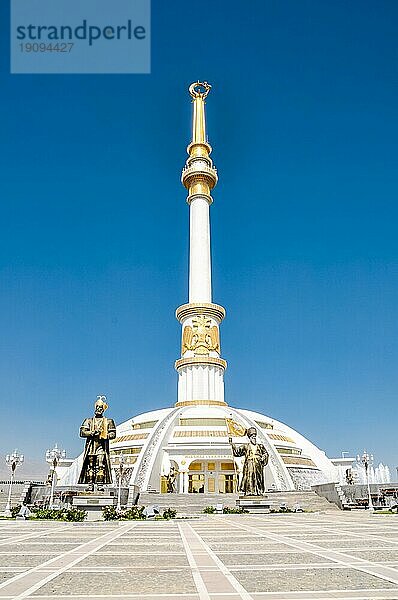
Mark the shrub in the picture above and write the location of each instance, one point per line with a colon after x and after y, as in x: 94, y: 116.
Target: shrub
x: 169, y: 513
x: 110, y: 513
x: 15, y: 510
x: 48, y: 513
x: 134, y: 513
x: 74, y: 514
x: 60, y: 514
x: 209, y: 510
x: 227, y: 510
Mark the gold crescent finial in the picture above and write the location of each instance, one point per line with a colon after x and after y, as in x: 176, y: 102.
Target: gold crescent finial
x: 199, y: 89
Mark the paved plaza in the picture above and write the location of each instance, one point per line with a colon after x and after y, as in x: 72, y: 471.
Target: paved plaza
x: 226, y: 557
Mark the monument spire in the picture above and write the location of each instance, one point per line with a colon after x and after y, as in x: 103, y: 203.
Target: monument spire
x: 199, y: 117
x: 199, y: 177
x: 200, y: 368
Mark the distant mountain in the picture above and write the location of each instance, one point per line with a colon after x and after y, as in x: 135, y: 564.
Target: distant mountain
x: 36, y: 470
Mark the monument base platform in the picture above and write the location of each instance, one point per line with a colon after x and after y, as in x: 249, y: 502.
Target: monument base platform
x: 93, y: 503
x: 255, y: 504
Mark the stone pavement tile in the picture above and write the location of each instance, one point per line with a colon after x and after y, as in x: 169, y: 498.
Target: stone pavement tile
x: 124, y: 582
x: 375, y: 555
x: 221, y: 597
x: 325, y: 595
x: 164, y: 548
x: 23, y: 560
x: 241, y: 538
x: 135, y: 560
x: 366, y: 594
x: 258, y: 545
x: 44, y: 547
x: 160, y: 596
x: 306, y: 537
x: 353, y: 543
x: 7, y: 575
x: 66, y: 539
x: 281, y: 580
x: 70, y: 541
x: 270, y: 558
x: 165, y: 539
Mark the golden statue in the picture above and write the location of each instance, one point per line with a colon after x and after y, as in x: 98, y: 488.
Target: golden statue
x: 201, y: 338
x: 97, y: 430
x: 255, y: 460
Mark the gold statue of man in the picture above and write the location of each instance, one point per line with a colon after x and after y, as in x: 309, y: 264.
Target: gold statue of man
x: 255, y: 460
x: 97, y: 430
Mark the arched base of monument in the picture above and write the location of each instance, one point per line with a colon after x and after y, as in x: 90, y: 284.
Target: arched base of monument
x: 255, y: 504
x: 77, y: 496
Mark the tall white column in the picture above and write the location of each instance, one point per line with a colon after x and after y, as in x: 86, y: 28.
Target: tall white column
x: 200, y: 368
x: 199, y: 252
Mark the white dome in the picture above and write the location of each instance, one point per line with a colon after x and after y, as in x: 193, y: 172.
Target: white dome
x: 182, y: 436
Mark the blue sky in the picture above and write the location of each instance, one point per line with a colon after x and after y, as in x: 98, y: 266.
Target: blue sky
x: 303, y: 122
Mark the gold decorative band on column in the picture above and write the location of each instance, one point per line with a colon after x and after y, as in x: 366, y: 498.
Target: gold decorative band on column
x: 200, y: 360
x: 199, y: 173
x: 200, y: 150
x: 201, y: 403
x: 204, y: 308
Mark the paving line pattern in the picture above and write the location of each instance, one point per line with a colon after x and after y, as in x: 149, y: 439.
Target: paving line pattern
x: 21, y: 538
x: 214, y: 549
x: 30, y: 581
x: 343, y: 559
x: 221, y: 579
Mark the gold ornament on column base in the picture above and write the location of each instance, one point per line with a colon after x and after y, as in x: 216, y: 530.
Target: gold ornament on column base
x: 201, y: 338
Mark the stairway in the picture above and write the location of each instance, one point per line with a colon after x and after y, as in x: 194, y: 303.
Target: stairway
x: 17, y: 491
x: 193, y: 504
x: 307, y: 500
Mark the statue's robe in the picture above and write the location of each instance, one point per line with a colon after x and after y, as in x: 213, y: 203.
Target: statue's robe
x: 256, y: 459
x: 97, y: 445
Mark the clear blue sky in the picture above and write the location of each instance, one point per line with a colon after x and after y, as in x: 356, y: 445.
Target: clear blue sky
x: 303, y: 122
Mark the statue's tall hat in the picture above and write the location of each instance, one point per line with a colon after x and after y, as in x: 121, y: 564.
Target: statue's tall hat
x: 101, y: 402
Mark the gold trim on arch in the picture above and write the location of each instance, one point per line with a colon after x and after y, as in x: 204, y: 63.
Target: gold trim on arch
x: 201, y: 403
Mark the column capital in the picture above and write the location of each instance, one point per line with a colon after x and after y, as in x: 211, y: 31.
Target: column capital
x: 192, y: 309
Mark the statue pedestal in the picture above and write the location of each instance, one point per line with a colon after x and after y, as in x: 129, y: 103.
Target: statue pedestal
x: 93, y: 503
x: 255, y: 504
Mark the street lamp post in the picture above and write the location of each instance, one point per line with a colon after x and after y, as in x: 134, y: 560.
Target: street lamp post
x: 53, y: 456
x: 367, y: 461
x: 119, y: 475
x: 13, y: 461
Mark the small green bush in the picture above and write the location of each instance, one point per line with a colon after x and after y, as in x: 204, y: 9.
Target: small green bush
x: 110, y: 513
x: 74, y: 514
x: 15, y: 510
x: 227, y: 510
x: 48, y: 513
x: 169, y: 513
x: 132, y: 514
x: 60, y: 514
x: 209, y: 510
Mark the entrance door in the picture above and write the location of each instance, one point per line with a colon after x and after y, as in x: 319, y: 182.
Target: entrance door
x: 226, y: 483
x: 229, y: 484
x: 196, y: 483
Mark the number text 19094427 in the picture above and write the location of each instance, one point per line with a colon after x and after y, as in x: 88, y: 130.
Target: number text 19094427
x: 42, y: 47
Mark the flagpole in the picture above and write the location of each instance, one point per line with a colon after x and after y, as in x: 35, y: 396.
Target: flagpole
x: 233, y: 456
